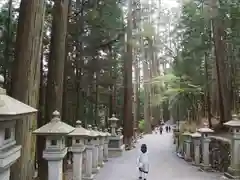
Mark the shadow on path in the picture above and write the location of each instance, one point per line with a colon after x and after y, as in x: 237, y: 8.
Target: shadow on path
x: 164, y: 164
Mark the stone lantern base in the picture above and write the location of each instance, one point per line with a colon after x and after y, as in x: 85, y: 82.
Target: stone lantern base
x: 115, y: 146
x: 232, y: 173
x: 205, y: 168
x: 89, y: 177
x: 7, y: 158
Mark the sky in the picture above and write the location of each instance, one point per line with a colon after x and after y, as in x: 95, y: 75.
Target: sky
x: 170, y: 3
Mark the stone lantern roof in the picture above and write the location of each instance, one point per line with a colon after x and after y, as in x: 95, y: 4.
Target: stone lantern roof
x: 205, y: 129
x: 107, y: 133
x: 113, y: 118
x: 235, y: 122
x: 186, y: 133
x: 11, y: 108
x: 103, y: 134
x: 196, y: 135
x: 79, y: 130
x: 96, y: 131
x: 92, y: 132
x: 54, y: 127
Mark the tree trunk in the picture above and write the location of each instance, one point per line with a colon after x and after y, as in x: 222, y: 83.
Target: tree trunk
x: 68, y: 109
x: 25, y: 82
x: 128, y: 91
x: 8, y: 42
x: 136, y: 91
x: 147, y: 127
x: 79, y: 62
x: 40, y: 119
x: 208, y: 100
x: 54, y: 90
x: 221, y: 65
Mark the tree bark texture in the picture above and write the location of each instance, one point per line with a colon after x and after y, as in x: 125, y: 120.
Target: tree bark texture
x: 56, y: 58
x: 146, y: 77
x: 26, y: 79
x: 128, y: 91
x: 222, y: 66
x: 55, y: 77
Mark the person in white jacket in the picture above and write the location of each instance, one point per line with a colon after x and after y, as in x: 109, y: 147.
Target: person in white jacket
x: 142, y: 162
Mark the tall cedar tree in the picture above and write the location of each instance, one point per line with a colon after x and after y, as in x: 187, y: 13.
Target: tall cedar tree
x: 25, y: 81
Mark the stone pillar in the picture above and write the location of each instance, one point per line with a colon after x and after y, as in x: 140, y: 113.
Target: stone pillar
x: 234, y: 168
x: 95, y: 156
x: 84, y: 163
x: 105, y: 146
x: 196, y: 143
x: 206, y: 141
x: 187, y: 142
x: 177, y: 134
x: 188, y: 150
x: 205, y: 131
x: 88, y: 175
x: 77, y: 162
x: 100, y: 155
x: 55, y: 164
x: 4, y: 175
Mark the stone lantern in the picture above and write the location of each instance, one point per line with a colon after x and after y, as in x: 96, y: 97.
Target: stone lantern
x: 234, y: 168
x: 115, y: 146
x: 196, y: 143
x: 55, y: 150
x: 95, y: 143
x: 205, y: 131
x: 113, y: 121
x: 79, y: 135
x: 11, y: 110
x: 89, y: 154
x: 187, y: 142
x: 105, y: 147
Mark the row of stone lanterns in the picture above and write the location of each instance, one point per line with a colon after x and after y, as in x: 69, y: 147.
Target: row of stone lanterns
x: 90, y: 141
x: 202, y: 139
x: 93, y: 144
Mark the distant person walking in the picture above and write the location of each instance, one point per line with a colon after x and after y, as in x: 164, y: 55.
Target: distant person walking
x: 161, y: 129
x: 166, y: 128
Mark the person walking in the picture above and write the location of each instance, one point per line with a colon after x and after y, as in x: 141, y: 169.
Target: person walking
x: 143, y: 163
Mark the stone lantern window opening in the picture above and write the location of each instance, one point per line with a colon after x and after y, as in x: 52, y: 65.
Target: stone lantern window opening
x: 53, y: 142
x: 7, y: 133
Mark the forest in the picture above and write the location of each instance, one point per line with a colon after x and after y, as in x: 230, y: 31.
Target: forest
x: 75, y: 56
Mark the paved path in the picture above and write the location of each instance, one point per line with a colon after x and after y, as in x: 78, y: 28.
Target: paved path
x: 164, y: 164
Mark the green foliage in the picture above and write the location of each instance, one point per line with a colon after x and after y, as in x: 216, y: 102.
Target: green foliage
x: 9, y: 26
x: 185, y: 86
x: 141, y: 125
